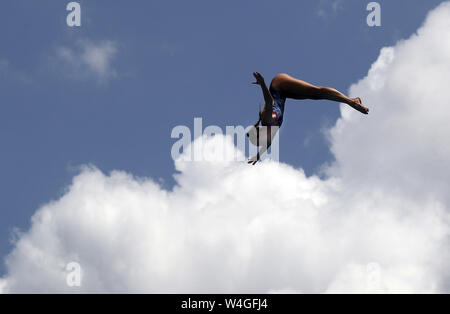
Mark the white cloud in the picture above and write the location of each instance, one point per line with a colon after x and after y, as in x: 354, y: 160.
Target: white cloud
x: 2, y: 286
x: 379, y: 223
x: 402, y: 145
x: 88, y: 59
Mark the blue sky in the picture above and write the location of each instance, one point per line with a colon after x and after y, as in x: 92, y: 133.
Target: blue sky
x: 171, y: 61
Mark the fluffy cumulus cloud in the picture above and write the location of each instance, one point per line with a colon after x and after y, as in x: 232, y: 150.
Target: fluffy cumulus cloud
x: 378, y: 223
x: 88, y: 59
x: 2, y: 285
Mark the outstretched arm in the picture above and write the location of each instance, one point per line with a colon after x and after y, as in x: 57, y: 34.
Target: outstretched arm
x: 253, y: 160
x: 271, y: 132
x: 267, y: 96
x: 257, y: 122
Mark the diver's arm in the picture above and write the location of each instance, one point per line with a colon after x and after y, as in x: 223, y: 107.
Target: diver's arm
x: 267, y: 96
x: 270, y: 136
x: 257, y: 157
x: 263, y: 148
x: 260, y: 81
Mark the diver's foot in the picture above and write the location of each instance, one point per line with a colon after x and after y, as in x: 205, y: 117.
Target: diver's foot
x: 357, y: 104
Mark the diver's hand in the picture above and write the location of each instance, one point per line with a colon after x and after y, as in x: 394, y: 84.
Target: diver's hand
x: 259, y: 78
x: 253, y: 160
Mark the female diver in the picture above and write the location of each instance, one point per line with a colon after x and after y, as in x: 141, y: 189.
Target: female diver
x: 282, y: 87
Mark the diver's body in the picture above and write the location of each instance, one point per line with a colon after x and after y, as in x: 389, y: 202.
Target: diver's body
x: 284, y: 86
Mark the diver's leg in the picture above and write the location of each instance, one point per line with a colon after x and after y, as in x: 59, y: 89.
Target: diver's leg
x: 294, y: 88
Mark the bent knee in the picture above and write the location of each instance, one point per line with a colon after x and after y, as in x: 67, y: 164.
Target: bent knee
x: 278, y: 81
x: 280, y: 77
